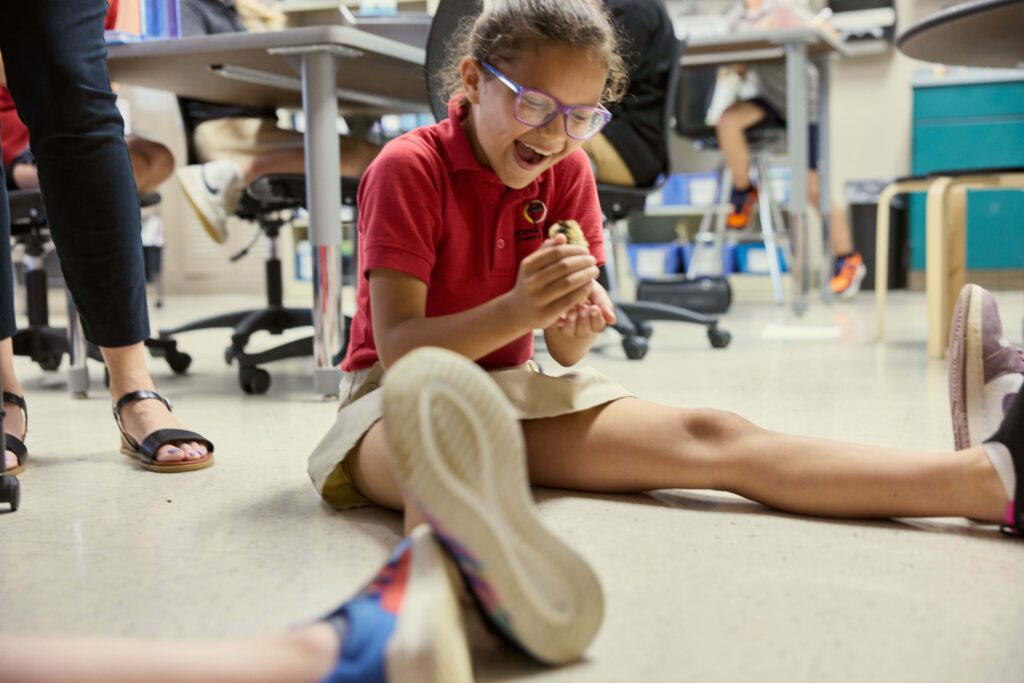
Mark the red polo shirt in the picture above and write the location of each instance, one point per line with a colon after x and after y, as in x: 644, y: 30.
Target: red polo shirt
x: 429, y: 209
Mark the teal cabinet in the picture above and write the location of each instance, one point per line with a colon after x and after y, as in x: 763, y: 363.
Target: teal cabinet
x: 973, y: 125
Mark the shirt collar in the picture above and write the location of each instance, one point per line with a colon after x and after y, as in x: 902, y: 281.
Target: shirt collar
x: 460, y: 151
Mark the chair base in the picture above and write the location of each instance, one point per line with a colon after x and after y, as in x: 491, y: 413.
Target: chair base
x: 244, y: 324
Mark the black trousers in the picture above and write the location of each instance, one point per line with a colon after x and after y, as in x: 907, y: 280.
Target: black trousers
x: 55, y: 60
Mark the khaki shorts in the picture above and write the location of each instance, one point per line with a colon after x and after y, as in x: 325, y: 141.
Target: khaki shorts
x: 608, y: 164
x: 242, y: 139
x: 533, y: 394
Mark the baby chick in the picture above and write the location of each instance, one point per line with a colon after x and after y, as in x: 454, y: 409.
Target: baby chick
x: 572, y: 231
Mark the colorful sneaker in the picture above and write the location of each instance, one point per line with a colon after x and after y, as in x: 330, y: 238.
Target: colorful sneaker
x: 213, y: 190
x: 457, y: 449
x: 985, y: 371
x: 406, y: 624
x: 743, y: 204
x: 850, y: 272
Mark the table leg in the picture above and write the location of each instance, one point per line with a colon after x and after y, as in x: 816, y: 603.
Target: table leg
x: 825, y: 178
x: 797, y: 106
x: 323, y: 197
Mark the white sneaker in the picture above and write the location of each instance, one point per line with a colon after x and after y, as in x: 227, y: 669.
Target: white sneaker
x: 457, y: 448
x: 213, y: 190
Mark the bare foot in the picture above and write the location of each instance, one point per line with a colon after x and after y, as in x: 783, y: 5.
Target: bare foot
x: 142, y: 418
x: 14, y: 423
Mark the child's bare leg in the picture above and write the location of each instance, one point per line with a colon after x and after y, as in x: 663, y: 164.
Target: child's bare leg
x: 307, y: 654
x: 632, y: 445
x: 732, y: 139
x: 371, y: 473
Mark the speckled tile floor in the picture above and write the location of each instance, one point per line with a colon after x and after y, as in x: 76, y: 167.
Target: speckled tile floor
x: 700, y: 586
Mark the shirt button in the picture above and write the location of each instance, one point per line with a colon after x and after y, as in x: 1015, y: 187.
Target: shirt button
x: 501, y: 244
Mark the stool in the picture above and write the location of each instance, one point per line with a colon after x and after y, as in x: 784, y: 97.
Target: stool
x: 945, y: 234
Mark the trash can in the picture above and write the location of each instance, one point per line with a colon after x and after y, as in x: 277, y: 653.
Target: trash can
x: 862, y: 199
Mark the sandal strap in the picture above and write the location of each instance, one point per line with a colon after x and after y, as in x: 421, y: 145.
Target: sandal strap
x: 16, y: 446
x: 15, y: 399
x: 131, y: 397
x: 139, y: 395
x: 161, y: 437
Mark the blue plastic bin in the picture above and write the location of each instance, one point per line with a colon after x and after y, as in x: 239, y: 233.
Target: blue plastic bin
x: 654, y: 259
x: 752, y: 259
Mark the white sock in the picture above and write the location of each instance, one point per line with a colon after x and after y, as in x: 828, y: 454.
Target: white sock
x: 999, y: 456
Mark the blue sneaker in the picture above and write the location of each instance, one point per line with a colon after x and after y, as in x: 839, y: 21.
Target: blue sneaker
x: 406, y: 625
x: 457, y: 449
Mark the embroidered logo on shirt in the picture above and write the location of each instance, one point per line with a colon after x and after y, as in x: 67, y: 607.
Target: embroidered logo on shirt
x: 535, y: 211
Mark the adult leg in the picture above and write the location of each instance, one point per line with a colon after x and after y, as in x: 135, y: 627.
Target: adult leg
x: 632, y: 445
x: 307, y: 654
x: 56, y: 70
x: 13, y: 420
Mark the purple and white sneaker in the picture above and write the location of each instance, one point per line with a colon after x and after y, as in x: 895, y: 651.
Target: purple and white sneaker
x: 457, y: 449
x: 985, y: 370
x: 406, y: 625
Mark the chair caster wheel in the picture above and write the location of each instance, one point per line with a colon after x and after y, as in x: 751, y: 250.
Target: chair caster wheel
x: 253, y: 380
x: 645, y: 330
x: 635, y: 347
x: 10, y: 491
x: 719, y: 338
x: 49, y: 363
x: 179, y: 362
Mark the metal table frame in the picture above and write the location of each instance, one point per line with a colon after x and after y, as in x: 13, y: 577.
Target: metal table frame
x: 313, y: 67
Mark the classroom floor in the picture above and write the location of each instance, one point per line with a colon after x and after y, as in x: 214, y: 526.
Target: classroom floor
x: 699, y: 586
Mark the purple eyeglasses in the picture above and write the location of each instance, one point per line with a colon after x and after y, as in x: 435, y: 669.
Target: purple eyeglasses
x: 536, y: 108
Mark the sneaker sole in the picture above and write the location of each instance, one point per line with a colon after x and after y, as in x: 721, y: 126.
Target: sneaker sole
x: 967, y: 369
x: 429, y: 642
x: 196, y: 194
x: 458, y: 450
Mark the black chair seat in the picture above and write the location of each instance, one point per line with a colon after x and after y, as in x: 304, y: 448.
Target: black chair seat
x: 27, y: 210
x: 619, y: 201
x: 960, y: 172
x: 283, y: 191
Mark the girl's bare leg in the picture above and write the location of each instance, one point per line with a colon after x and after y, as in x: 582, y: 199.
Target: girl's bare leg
x: 371, y: 473
x: 307, y: 654
x: 632, y: 445
x: 732, y: 139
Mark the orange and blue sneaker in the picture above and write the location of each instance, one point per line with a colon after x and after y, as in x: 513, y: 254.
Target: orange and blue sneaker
x: 457, y: 450
x: 849, y: 273
x: 743, y: 203
x: 406, y: 625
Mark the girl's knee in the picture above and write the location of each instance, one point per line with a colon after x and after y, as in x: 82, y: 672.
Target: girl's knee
x: 716, y: 428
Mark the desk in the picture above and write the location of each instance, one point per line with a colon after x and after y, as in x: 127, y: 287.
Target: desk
x: 978, y: 33
x: 315, y: 68
x: 796, y: 46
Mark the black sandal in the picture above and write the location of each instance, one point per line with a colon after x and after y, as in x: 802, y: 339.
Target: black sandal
x: 11, y: 442
x: 146, y: 451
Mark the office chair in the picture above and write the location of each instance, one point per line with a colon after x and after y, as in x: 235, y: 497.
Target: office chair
x: 44, y: 344
x: 618, y: 203
x: 270, y: 201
